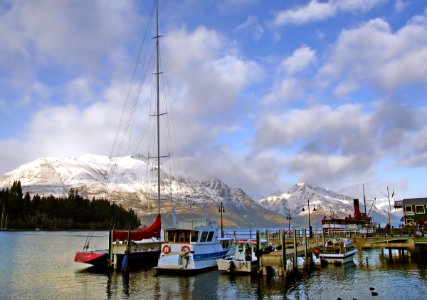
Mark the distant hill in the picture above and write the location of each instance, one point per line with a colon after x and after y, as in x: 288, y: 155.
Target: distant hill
x: 131, y: 182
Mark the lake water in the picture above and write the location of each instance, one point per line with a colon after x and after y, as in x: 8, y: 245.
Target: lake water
x: 39, y: 265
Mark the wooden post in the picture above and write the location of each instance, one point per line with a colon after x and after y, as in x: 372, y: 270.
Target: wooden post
x: 258, y: 249
x: 323, y: 240
x: 295, y: 250
x: 267, y: 234
x: 305, y: 242
x: 283, y: 241
x: 317, y: 238
x: 110, y: 249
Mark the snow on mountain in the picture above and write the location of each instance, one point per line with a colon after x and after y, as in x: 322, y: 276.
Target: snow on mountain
x: 132, y: 182
x: 323, y: 203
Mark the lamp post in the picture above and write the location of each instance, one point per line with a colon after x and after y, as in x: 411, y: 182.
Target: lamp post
x: 221, y: 210
x: 309, y: 221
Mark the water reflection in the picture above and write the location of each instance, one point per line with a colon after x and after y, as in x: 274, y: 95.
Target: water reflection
x: 40, y: 266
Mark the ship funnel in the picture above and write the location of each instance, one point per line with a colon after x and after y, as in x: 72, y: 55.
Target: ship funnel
x: 357, y: 214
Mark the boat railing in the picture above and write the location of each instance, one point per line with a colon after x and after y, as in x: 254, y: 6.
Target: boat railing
x: 273, y: 238
x: 192, y: 224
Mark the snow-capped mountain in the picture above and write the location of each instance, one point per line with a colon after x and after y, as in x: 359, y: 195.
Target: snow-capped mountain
x: 132, y: 182
x: 324, y: 203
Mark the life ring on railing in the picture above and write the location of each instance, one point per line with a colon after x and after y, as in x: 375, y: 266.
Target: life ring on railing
x: 166, y: 249
x: 185, y: 249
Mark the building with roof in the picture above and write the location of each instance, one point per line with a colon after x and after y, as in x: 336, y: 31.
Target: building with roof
x: 414, y: 211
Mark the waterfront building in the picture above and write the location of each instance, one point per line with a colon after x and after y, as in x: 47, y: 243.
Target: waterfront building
x: 414, y: 211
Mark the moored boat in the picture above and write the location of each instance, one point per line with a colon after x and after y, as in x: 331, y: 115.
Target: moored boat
x: 359, y: 223
x: 338, y: 251
x: 244, y: 258
x: 97, y: 258
x: 192, y: 248
x: 141, y: 246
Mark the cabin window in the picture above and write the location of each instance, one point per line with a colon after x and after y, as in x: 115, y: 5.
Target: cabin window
x: 204, y: 236
x: 210, y: 236
x: 408, y: 208
x: 182, y: 237
x: 409, y: 221
x: 240, y: 247
x: 194, y: 236
x: 420, y: 209
x: 171, y: 236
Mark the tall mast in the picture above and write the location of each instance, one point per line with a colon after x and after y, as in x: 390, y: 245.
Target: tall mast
x: 158, y: 104
x: 364, y: 200
x: 389, y: 206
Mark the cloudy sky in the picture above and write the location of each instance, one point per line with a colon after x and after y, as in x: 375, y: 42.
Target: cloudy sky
x: 262, y: 94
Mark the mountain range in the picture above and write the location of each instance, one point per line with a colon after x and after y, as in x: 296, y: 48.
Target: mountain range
x: 132, y: 182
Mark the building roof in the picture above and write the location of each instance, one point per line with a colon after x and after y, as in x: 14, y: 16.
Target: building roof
x: 414, y: 201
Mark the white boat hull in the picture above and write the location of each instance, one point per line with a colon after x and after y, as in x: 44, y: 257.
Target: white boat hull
x: 340, y: 258
x: 237, y: 266
x: 179, y: 262
x: 200, y: 258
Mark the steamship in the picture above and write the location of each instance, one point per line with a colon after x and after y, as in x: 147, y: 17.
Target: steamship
x: 359, y: 223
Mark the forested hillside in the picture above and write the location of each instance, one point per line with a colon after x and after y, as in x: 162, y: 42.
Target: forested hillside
x: 19, y: 211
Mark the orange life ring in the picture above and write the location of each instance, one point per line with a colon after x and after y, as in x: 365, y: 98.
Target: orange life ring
x: 185, y: 249
x: 166, y: 249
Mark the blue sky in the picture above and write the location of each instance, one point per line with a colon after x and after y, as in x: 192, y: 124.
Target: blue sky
x: 262, y: 94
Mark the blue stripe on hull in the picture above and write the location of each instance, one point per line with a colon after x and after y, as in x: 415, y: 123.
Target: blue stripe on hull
x: 206, y: 256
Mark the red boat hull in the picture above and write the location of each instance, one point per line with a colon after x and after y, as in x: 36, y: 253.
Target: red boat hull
x: 97, y: 257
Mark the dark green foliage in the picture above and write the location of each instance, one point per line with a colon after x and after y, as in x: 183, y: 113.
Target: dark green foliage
x: 18, y: 211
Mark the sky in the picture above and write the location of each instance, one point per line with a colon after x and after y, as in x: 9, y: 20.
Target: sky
x: 261, y: 94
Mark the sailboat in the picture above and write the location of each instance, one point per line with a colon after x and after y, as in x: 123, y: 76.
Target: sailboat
x: 136, y: 247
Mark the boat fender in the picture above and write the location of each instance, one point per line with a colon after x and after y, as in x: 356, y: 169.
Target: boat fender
x: 166, y: 249
x: 316, y: 252
x: 185, y: 249
x: 125, y: 263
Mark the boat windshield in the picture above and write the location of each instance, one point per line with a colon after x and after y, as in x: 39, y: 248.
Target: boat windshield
x: 181, y: 236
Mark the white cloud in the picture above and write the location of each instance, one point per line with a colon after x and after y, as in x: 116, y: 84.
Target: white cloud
x: 61, y: 38
x: 289, y: 89
x: 300, y: 59
x: 252, y: 25
x: 400, y: 5
x: 210, y: 73
x: 15, y: 153
x: 80, y: 89
x: 316, y: 10
x: 311, y: 12
x: 372, y: 54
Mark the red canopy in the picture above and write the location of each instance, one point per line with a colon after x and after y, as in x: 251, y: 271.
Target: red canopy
x: 135, y: 235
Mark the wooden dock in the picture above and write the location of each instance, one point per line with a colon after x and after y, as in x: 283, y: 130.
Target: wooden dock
x: 296, y: 244
x: 412, y: 245
x: 291, y: 249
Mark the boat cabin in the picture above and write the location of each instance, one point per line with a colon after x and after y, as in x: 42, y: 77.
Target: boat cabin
x: 183, y: 236
x: 360, y: 221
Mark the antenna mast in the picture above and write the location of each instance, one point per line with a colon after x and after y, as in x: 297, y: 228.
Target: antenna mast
x: 364, y: 200
x: 158, y: 104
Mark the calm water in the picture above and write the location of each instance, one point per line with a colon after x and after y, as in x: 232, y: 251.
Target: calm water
x: 39, y: 265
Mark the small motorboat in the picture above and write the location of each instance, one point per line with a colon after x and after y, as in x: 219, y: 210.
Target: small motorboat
x: 244, y: 258
x: 338, y: 251
x: 192, y: 248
